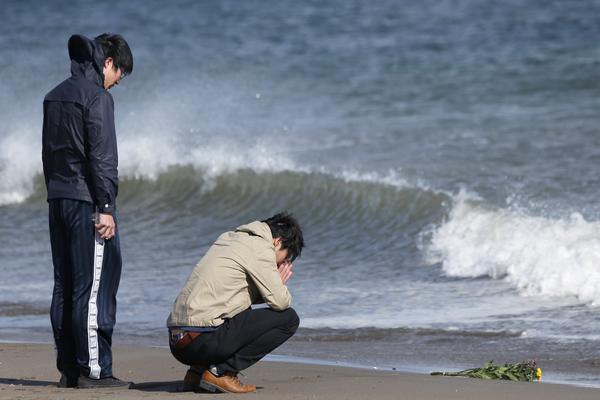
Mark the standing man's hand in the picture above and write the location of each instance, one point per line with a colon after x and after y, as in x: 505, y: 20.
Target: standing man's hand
x: 285, y: 271
x: 105, y: 226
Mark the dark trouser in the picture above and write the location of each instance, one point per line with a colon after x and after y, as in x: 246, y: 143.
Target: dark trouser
x: 87, y: 271
x: 240, y: 341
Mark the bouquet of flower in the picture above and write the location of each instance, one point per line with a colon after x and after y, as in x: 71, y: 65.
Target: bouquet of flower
x: 526, y: 371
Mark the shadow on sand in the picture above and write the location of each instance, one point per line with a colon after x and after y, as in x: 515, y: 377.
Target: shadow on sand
x: 25, y: 382
x: 170, y: 387
x: 167, y: 386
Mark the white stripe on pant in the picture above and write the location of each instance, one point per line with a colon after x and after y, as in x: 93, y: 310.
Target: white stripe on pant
x: 93, y: 309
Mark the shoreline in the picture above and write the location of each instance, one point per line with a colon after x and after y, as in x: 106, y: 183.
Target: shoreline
x: 423, y: 369
x: 27, y: 371
x: 563, y: 362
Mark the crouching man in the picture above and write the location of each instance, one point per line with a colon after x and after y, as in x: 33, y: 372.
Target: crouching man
x: 212, y: 327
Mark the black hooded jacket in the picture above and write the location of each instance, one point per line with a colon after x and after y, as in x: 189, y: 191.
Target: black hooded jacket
x: 79, y: 144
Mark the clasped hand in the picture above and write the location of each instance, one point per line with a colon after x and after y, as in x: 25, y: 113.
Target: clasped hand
x: 105, y: 225
x: 285, y: 271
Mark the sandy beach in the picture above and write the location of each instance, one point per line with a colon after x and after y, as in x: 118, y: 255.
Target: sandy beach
x: 438, y: 155
x: 27, y: 372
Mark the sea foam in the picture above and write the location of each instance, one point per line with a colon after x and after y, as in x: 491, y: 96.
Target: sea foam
x: 538, y: 255
x: 20, y: 161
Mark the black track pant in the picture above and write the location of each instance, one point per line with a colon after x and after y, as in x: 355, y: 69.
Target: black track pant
x: 87, y: 271
x: 240, y: 341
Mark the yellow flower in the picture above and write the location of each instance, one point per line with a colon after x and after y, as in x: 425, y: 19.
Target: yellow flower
x: 538, y: 374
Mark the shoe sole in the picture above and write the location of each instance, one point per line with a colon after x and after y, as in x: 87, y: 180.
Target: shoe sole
x: 212, y: 388
x: 61, y: 386
x: 67, y: 383
x: 105, y: 386
x: 209, y: 387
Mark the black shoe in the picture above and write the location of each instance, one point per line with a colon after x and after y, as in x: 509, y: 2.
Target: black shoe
x: 68, y: 376
x: 67, y: 381
x: 192, y: 378
x: 111, y: 382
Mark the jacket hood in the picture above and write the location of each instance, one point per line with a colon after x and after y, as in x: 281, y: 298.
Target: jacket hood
x: 87, y: 59
x: 257, y: 228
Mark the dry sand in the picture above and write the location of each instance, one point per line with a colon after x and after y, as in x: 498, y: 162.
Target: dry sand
x: 27, y: 372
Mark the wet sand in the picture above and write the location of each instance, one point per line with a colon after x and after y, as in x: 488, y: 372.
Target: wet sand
x: 27, y: 372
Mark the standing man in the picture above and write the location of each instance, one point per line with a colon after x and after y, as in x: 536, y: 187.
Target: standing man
x: 79, y: 154
x: 212, y: 327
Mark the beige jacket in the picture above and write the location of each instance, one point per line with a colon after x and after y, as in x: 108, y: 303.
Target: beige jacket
x: 239, y: 269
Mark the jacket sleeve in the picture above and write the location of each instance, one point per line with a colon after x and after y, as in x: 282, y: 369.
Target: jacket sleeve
x: 102, y: 151
x: 264, y: 274
x: 45, y: 151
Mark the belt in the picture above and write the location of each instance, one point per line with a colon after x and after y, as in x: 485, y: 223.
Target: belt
x: 180, y: 338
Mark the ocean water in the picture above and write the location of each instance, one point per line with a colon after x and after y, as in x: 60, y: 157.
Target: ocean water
x: 441, y: 156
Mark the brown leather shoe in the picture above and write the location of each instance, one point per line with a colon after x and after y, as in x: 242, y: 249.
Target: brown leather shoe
x: 192, y: 379
x: 227, y: 383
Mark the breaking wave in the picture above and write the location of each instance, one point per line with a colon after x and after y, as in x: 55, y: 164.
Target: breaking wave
x: 538, y: 255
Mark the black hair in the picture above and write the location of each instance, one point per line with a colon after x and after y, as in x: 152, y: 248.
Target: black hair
x: 115, y: 47
x: 284, y: 225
